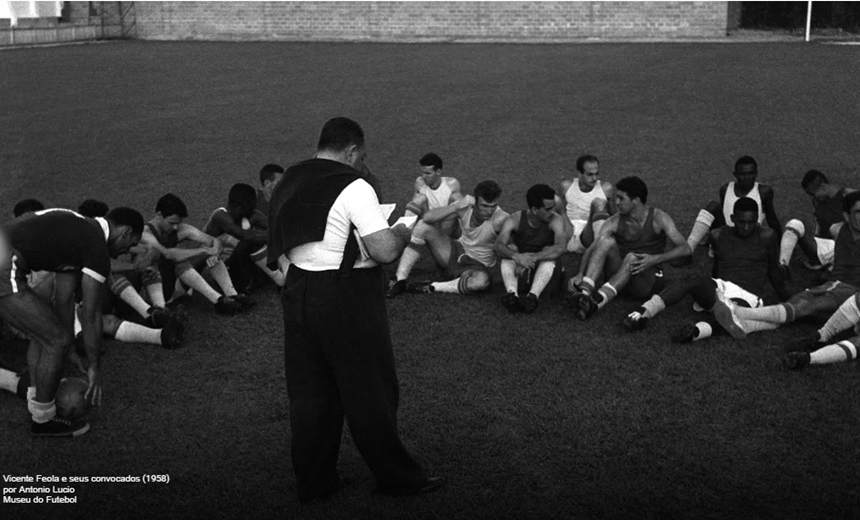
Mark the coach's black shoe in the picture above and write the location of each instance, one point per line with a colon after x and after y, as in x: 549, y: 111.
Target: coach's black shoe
x: 796, y: 360
x: 511, y: 302
x: 430, y: 485
x: 420, y: 288
x: 686, y: 334
x: 528, y: 303
x: 395, y: 288
x: 635, y: 321
x: 59, y: 427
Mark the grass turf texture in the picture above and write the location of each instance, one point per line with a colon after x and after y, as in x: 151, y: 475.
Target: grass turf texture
x: 534, y: 416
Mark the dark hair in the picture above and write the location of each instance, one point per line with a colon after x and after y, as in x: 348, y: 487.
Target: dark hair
x: 242, y: 195
x: 537, y: 194
x: 340, y: 133
x: 746, y: 159
x: 268, y: 172
x: 27, y: 206
x: 123, y: 216
x: 812, y: 176
x: 431, y: 159
x: 93, y: 208
x: 169, y: 205
x: 582, y: 159
x: 849, y: 200
x: 487, y: 190
x: 745, y: 204
x: 634, y: 187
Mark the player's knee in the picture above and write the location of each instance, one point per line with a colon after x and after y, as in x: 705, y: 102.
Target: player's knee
x: 110, y: 324
x: 628, y: 259
x: 151, y: 276
x: 477, y: 281
x: 835, y: 228
x: 183, y: 267
x: 606, y: 244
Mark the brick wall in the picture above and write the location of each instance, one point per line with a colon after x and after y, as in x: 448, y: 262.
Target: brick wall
x: 428, y: 21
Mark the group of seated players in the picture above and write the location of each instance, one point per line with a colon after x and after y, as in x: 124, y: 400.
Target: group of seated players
x: 99, y: 272
x: 72, y: 277
x: 623, y: 242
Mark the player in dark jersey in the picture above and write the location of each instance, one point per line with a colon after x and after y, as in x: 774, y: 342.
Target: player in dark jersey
x: 78, y: 250
x: 528, y: 244
x: 717, y: 213
x: 745, y: 255
x: 826, y: 346
x: 628, y: 251
x: 816, y: 232
x: 164, y: 233
x: 815, y: 302
x: 242, y: 230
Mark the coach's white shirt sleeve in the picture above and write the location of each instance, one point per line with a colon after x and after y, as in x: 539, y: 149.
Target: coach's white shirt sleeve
x: 357, y: 204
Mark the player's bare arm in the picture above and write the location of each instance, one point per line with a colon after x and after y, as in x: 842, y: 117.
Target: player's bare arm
x: 774, y: 273
x: 211, y: 245
x: 499, y: 220
x: 502, y: 248
x: 459, y: 207
x: 560, y: 199
x: 559, y: 245
x: 768, y: 209
x: 454, y: 185
x: 227, y: 225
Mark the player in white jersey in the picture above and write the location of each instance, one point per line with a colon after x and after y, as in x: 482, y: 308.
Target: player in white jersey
x: 432, y: 191
x: 587, y: 202
x: 466, y: 260
x: 718, y: 213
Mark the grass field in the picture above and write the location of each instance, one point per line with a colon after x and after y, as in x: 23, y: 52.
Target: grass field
x: 527, y: 416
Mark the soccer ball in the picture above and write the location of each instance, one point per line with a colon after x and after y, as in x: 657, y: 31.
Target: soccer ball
x: 70, y: 398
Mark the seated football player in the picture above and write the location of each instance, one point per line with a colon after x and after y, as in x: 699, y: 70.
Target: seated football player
x: 587, y: 202
x: 718, y: 213
x: 165, y: 232
x: 432, y: 191
x: 628, y: 252
x: 529, y: 244
x: 242, y: 230
x: 467, y: 260
x: 815, y: 232
x: 270, y: 176
x: 816, y: 302
x: 78, y: 250
x: 745, y: 255
x: 827, y: 345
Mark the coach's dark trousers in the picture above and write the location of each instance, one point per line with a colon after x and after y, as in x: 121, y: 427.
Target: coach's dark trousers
x: 339, y: 362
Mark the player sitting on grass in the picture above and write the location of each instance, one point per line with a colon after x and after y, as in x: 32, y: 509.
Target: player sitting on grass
x: 529, y: 244
x: 242, y: 230
x: 468, y: 259
x: 823, y: 299
x: 587, y: 202
x: 820, y: 348
x: 270, y: 176
x: 628, y: 251
x: 744, y: 256
x: 432, y: 191
x: 164, y: 233
x: 815, y: 232
x: 718, y: 213
x: 78, y: 250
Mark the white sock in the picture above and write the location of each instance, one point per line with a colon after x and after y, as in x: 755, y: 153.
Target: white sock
x: 705, y: 330
x: 845, y: 317
x: 703, y: 223
x: 608, y: 292
x: 408, y: 259
x: 758, y: 326
x: 790, y: 235
x: 837, y: 353
x: 771, y: 313
x: 192, y: 279
x: 451, y: 286
x: 129, y: 332
x: 509, y: 275
x: 133, y: 299
x: 41, y: 412
x: 653, y: 306
x: 9, y: 380
x: 543, y: 274
x: 222, y: 278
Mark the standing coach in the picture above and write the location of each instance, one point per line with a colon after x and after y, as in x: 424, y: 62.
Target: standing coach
x: 337, y: 345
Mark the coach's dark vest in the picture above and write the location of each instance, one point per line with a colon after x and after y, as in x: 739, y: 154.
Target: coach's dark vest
x: 529, y: 239
x: 300, y: 204
x: 644, y: 240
